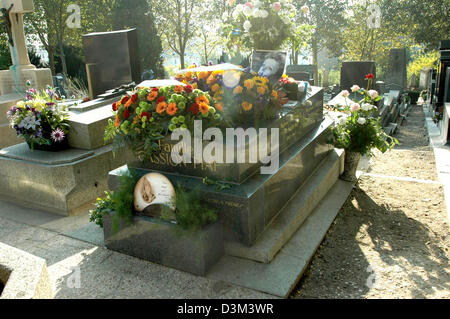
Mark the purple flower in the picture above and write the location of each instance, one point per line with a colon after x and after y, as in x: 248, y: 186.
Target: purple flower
x: 58, y: 135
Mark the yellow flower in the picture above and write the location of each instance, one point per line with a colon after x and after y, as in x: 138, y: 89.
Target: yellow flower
x: 247, y: 106
x: 195, y: 86
x: 20, y: 104
x: 238, y: 90
x: 274, y: 94
x: 215, y: 73
x: 249, y: 84
x: 202, y: 75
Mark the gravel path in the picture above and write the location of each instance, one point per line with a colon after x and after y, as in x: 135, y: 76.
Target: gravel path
x: 391, y: 238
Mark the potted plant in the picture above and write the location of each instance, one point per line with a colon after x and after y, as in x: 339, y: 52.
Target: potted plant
x: 290, y: 86
x: 41, y: 121
x: 358, y: 131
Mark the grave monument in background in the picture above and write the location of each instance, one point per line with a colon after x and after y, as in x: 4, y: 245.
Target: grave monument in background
x: 355, y: 73
x: 13, y: 81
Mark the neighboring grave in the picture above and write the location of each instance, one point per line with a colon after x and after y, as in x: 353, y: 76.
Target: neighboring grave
x: 425, y: 79
x: 301, y: 72
x: 413, y: 81
x: 355, y: 73
x: 13, y: 81
x: 112, y: 59
x: 396, y: 78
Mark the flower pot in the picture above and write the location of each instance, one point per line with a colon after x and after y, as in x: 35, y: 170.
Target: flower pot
x: 350, y: 166
x: 53, y: 147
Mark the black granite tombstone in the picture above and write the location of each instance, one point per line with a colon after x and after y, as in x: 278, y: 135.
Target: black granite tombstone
x: 442, y: 76
x: 112, y: 59
x: 396, y: 77
x: 355, y: 73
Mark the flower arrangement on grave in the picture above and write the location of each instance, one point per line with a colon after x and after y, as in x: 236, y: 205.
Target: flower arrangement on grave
x: 266, y: 24
x: 40, y: 120
x: 290, y: 86
x: 147, y: 115
x: 359, y: 130
x: 243, y: 97
x: 192, y: 213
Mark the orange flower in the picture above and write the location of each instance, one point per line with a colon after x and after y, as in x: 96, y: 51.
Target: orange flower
x: 161, y: 107
x: 247, y: 106
x: 249, y: 84
x: 178, y: 89
x: 135, y: 119
x: 203, y: 107
x: 172, y: 109
x: 211, y: 80
x: 202, y: 99
x: 215, y: 87
x: 261, y: 90
x: 238, y: 89
x: 117, y: 121
x: 275, y: 94
x: 152, y: 96
x: 129, y: 102
x: 203, y: 75
x: 219, y: 106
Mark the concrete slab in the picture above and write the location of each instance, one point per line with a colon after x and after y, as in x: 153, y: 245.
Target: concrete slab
x: 282, y: 274
x: 22, y: 152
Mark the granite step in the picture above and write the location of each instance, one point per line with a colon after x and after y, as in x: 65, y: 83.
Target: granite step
x: 281, y: 276
x: 293, y: 214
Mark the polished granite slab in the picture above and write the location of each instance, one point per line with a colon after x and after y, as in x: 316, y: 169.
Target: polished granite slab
x: 247, y: 209
x: 296, y: 121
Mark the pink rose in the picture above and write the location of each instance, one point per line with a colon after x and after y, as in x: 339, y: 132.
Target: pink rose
x: 373, y: 94
x: 277, y: 6
x: 345, y: 93
x: 355, y: 107
x: 249, y: 4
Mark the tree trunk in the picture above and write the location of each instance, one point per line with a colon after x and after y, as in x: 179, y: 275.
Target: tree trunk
x: 62, y: 56
x: 182, y: 59
x: 315, y: 52
x: 51, y: 61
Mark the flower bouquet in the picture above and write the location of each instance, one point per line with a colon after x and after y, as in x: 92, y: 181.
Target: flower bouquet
x: 243, y: 97
x: 147, y: 115
x: 359, y: 130
x: 266, y: 24
x: 40, y: 120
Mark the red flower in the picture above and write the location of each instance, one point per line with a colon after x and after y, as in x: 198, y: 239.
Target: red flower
x: 114, y: 107
x: 134, y: 98
x: 126, y: 114
x: 125, y: 99
x: 188, y: 89
x: 155, y: 89
x: 194, y: 109
x: 148, y: 114
x: 370, y: 76
x: 160, y: 99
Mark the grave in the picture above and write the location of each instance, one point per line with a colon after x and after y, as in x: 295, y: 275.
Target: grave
x: 13, y: 81
x: 97, y: 50
x: 301, y: 72
x: 425, y: 79
x: 258, y: 214
x: 355, y: 73
x: 68, y: 181
x: 396, y: 77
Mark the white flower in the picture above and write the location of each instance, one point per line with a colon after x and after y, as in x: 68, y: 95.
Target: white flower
x: 235, y: 14
x: 264, y: 14
x: 355, y: 88
x: 420, y: 101
x: 257, y: 3
x: 373, y: 94
x: 362, y: 121
x: 256, y: 12
x: 366, y: 107
x: 305, y: 9
x: 247, y: 25
x: 355, y: 107
x: 345, y: 93
x: 239, y: 8
x: 247, y: 11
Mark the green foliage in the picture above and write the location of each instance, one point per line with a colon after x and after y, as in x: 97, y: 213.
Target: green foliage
x: 103, y: 206
x: 420, y: 61
x: 123, y: 198
x: 192, y: 213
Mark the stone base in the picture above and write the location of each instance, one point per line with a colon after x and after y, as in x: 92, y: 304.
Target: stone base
x: 247, y: 210
x: 59, y: 182
x: 14, y: 81
x: 24, y: 276
x: 164, y: 244
x: 8, y: 135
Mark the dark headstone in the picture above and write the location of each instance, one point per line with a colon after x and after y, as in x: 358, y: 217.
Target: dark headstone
x: 112, y: 59
x: 300, y: 76
x: 396, y: 76
x: 355, y: 73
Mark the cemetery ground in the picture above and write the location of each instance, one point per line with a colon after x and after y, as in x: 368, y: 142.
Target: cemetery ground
x: 391, y: 237
x: 390, y: 240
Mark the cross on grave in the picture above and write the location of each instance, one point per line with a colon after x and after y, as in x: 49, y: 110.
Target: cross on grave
x: 21, y: 70
x: 12, y: 16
